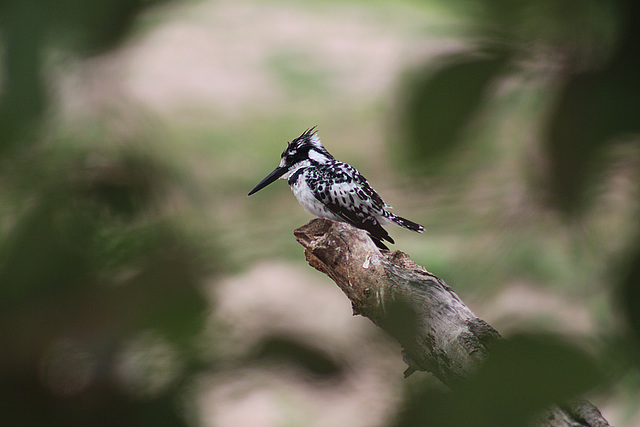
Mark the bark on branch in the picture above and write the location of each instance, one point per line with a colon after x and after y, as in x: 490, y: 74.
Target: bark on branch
x: 446, y: 337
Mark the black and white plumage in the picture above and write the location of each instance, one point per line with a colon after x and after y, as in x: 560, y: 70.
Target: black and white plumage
x: 328, y: 188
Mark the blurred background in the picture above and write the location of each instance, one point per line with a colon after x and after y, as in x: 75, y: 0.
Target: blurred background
x: 140, y: 286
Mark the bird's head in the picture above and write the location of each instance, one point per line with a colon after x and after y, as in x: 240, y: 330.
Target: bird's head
x: 303, y: 151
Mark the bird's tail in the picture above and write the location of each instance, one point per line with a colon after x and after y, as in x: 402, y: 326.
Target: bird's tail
x: 405, y: 223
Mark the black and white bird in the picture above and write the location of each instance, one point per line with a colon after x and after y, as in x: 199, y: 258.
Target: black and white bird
x: 328, y: 188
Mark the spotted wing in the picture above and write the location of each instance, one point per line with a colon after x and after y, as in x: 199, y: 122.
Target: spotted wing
x: 348, y: 195
x: 369, y: 193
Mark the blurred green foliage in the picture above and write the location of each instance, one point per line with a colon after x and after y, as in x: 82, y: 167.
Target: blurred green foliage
x: 584, y: 56
x: 31, y: 31
x: 522, y: 376
x: 100, y: 294
x: 100, y: 289
x: 439, y: 103
x: 587, y: 52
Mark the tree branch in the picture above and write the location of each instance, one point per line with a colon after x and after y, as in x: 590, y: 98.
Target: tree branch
x: 437, y: 331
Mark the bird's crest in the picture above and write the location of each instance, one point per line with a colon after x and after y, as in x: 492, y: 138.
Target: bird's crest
x: 308, y: 137
x: 307, y: 146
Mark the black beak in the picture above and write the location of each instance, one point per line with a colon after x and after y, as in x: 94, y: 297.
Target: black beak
x: 277, y: 173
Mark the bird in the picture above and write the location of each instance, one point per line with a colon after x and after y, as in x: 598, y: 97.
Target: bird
x: 329, y: 188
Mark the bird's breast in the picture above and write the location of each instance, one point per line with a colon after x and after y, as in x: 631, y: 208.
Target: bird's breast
x: 307, y: 198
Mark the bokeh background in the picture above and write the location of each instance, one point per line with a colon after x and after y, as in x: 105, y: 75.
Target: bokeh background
x: 140, y: 286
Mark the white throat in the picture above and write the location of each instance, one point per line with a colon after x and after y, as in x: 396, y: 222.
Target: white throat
x: 294, y: 168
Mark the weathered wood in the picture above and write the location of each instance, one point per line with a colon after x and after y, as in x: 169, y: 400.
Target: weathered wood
x: 437, y: 331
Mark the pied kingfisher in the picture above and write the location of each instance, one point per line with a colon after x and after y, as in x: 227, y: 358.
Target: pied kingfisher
x: 328, y: 188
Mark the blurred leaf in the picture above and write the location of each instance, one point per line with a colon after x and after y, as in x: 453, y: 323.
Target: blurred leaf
x: 24, y: 403
x: 521, y: 377
x: 630, y: 295
x: 164, y: 293
x: 126, y: 183
x: 97, y: 26
x: 87, y: 258
x: 23, y: 97
x: 439, y: 105
x: 593, y: 109
x: 320, y: 365
x: 47, y: 252
x: 29, y: 29
x: 583, y: 29
x: 75, y: 216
